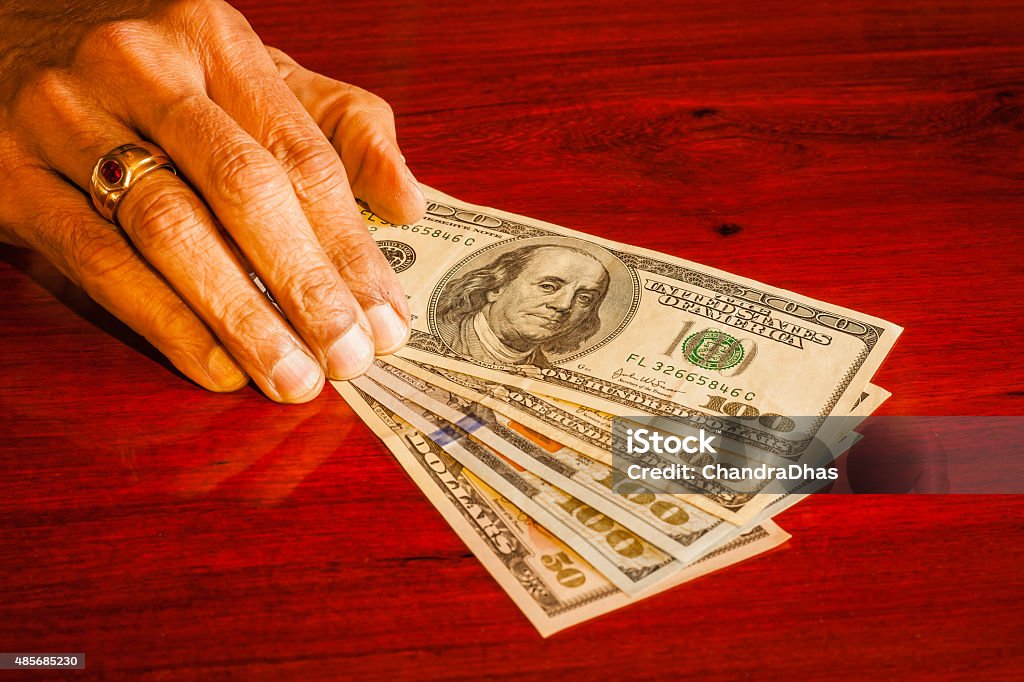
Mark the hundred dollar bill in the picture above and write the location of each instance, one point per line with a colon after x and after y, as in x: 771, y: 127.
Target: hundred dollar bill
x: 572, y: 426
x: 744, y: 502
x: 562, y: 422
x: 678, y: 528
x: 624, y: 329
x: 668, y: 520
x: 629, y: 562
x: 579, y: 427
x: 869, y: 399
x: 550, y: 583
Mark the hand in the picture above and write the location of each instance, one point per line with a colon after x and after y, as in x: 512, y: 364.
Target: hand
x: 268, y: 156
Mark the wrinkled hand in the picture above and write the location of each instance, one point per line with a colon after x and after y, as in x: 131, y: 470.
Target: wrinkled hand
x: 264, y: 148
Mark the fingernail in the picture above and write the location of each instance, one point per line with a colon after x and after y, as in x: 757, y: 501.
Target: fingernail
x: 350, y: 355
x: 390, y: 332
x: 296, y: 375
x: 223, y: 370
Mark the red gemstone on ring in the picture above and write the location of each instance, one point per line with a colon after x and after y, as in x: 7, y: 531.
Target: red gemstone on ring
x: 111, y: 171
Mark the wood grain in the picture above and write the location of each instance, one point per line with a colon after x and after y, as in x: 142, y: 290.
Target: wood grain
x: 862, y: 153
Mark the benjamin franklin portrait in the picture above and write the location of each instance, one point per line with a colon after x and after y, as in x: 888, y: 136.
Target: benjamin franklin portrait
x: 524, y: 305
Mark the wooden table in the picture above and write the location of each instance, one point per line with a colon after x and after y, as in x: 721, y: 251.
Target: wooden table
x: 868, y: 154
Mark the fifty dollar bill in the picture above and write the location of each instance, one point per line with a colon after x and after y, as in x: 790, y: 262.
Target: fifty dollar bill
x: 551, y: 584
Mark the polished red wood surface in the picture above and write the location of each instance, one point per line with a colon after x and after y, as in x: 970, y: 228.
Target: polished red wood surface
x: 869, y: 154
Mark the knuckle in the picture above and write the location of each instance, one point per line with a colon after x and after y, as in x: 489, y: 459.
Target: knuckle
x: 238, y: 316
x: 376, y: 126
x: 364, y: 112
x: 277, y: 54
x: 247, y: 173
x: 216, y: 30
x: 161, y: 221
x: 167, y: 318
x: 318, y: 184
x: 50, y: 85
x: 316, y: 293
x: 49, y: 91
x: 372, y: 105
x: 367, y: 272
x: 202, y: 8
x: 294, y: 146
x: 383, y: 109
x: 95, y: 254
x: 376, y: 142
x: 314, y: 166
x: 188, y: 105
x: 217, y: 16
x: 84, y: 140
x: 286, y: 66
x: 124, y: 36
x: 254, y: 335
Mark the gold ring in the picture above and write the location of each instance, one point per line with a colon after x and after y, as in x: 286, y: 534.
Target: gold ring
x: 119, y: 169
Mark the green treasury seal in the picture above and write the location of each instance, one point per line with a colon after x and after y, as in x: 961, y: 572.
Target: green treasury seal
x: 712, y: 349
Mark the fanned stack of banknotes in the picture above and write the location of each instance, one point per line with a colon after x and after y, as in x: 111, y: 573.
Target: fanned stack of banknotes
x: 529, y: 338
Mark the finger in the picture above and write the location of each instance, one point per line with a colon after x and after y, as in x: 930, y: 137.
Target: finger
x: 252, y: 197
x: 319, y: 179
x: 361, y: 127
x: 174, y: 231
x: 263, y: 105
x: 95, y: 256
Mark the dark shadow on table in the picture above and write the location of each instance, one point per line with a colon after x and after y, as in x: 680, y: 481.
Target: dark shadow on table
x: 51, y: 279
x: 47, y: 276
